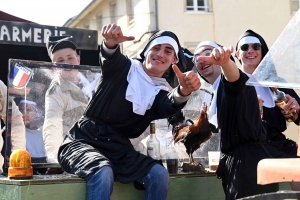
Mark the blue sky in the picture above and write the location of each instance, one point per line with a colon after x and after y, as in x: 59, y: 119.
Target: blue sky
x: 53, y: 12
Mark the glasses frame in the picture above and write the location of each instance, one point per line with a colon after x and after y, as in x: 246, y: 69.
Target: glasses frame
x: 255, y: 46
x: 205, y: 52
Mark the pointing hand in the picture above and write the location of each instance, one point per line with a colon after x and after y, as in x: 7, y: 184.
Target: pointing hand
x: 113, y: 35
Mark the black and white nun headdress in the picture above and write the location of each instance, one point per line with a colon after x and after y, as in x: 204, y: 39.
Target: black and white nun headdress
x: 209, y: 43
x: 250, y: 37
x: 142, y: 89
x: 161, y: 37
x: 213, y: 104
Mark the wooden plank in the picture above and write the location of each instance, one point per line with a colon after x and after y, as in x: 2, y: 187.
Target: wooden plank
x: 202, y: 188
x: 43, y: 179
x: 9, y: 192
x: 64, y: 191
x: 183, y: 188
x: 69, y: 178
x: 278, y: 170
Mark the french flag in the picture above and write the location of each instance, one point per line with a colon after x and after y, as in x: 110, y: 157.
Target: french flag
x: 21, y: 75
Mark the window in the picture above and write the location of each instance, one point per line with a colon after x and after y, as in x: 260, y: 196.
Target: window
x: 130, y: 11
x: 99, y: 22
x: 197, y: 5
x: 294, y: 5
x: 113, y: 13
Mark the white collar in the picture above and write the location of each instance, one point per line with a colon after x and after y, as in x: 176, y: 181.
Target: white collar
x: 265, y: 94
x: 142, y: 89
x: 213, y: 118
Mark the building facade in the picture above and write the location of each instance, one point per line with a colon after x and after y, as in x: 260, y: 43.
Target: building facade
x: 192, y: 20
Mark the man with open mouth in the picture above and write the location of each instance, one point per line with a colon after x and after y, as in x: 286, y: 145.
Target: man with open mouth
x: 235, y: 112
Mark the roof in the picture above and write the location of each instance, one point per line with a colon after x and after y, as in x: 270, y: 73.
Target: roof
x: 8, y: 17
x: 85, y: 11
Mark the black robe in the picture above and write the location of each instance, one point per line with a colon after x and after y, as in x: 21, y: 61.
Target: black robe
x: 242, y: 135
x: 277, y: 143
x: 101, y: 137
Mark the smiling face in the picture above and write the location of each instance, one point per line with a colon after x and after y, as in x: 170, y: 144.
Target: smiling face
x: 250, y: 58
x: 159, y: 59
x: 67, y: 56
x: 208, y: 70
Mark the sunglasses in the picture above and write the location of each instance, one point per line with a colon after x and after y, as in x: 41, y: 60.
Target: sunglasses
x: 255, y: 46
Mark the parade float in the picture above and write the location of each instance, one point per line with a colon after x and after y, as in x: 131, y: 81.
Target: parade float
x: 22, y: 47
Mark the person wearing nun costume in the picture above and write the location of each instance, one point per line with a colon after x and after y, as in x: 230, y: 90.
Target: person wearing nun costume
x: 171, y: 78
x: 235, y: 111
x: 250, y: 50
x: 209, y: 72
x: 130, y: 94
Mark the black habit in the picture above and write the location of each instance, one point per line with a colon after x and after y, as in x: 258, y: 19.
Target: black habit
x: 101, y: 136
x: 242, y: 136
x: 276, y: 142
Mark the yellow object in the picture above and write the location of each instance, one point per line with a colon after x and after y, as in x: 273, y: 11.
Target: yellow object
x: 20, y: 165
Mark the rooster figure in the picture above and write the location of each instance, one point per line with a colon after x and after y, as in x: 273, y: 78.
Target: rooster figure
x: 193, y: 134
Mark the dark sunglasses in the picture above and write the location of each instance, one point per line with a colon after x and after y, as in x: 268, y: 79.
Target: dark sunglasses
x: 255, y: 46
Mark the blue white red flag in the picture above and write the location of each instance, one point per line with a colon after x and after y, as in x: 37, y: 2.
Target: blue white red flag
x: 21, y: 76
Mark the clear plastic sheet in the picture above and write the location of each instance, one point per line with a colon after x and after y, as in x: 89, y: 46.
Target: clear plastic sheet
x: 34, y: 88
x: 281, y: 66
x: 191, y: 111
x: 28, y: 83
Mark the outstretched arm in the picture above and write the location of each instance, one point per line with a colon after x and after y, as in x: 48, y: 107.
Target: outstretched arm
x: 221, y: 56
x: 113, y: 36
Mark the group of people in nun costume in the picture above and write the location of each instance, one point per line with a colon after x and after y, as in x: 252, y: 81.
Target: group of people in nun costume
x: 247, y: 134
x: 133, y: 92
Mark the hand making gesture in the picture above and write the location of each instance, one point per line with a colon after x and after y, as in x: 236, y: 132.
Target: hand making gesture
x: 221, y: 56
x: 188, y: 81
x: 113, y: 35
